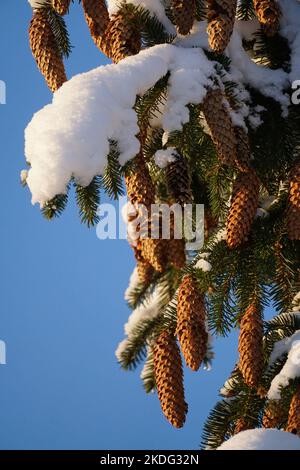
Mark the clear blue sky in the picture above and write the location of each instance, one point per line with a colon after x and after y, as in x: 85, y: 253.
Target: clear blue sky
x: 62, y: 310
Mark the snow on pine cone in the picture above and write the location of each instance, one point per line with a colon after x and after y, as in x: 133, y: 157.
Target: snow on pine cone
x: 293, y: 210
x: 178, y: 178
x: 243, y: 207
x: 220, y: 23
x: 293, y: 424
x: 251, y: 358
x: 221, y: 127
x: 191, y: 331
x: 268, y: 14
x: 45, y: 50
x: 184, y: 13
x: 61, y: 6
x: 97, y: 18
x: 169, y: 379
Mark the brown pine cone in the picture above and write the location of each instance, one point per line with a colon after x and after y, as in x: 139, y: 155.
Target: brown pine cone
x: 123, y: 35
x: 243, y: 207
x: 176, y: 253
x: 191, y: 329
x: 184, y: 13
x: 220, y: 19
x: 268, y: 14
x: 97, y: 18
x: 169, y: 379
x: 45, y: 51
x: 61, y: 6
x: 243, y: 149
x: 293, y: 425
x: 241, y: 425
x: 251, y: 360
x: 293, y: 210
x: 221, y: 127
x: 274, y: 414
x: 178, y: 178
x: 154, y: 251
x: 140, y: 189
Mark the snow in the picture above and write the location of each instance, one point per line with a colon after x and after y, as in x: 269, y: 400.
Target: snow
x: 204, y: 265
x: 162, y: 158
x: 291, y: 368
x: 133, y: 284
x: 147, y: 311
x: 262, y: 439
x: 35, y: 4
x: 155, y: 7
x: 150, y: 309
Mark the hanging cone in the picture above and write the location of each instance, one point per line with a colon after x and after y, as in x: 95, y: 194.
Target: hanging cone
x: 61, y: 6
x: 123, y: 35
x: 191, y: 329
x: 293, y: 425
x: 184, y: 13
x: 241, y: 425
x: 169, y: 379
x: 221, y: 127
x: 144, y: 269
x: 45, y: 51
x: 97, y: 18
x: 274, y: 414
x: 243, y: 149
x: 220, y: 22
x: 154, y: 251
x: 140, y: 189
x: 178, y: 178
x: 293, y: 211
x: 176, y: 253
x: 251, y: 360
x: 268, y: 14
x: 243, y: 207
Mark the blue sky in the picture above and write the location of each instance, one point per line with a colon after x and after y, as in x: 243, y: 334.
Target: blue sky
x: 61, y: 305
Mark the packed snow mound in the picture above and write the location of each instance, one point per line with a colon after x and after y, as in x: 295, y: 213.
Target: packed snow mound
x: 262, y: 439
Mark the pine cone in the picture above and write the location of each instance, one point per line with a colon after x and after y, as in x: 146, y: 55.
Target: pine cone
x: 178, y: 177
x: 241, y: 425
x: 221, y: 127
x: 251, y: 359
x: 123, y: 35
x: 140, y: 189
x: 169, y: 379
x: 293, y: 425
x: 176, y: 253
x: 274, y: 414
x: 268, y: 14
x: 220, y: 19
x: 97, y: 18
x: 154, y: 251
x: 243, y: 207
x: 191, y: 330
x: 61, y: 6
x: 145, y: 272
x: 293, y: 211
x: 243, y: 149
x: 184, y: 13
x: 45, y: 51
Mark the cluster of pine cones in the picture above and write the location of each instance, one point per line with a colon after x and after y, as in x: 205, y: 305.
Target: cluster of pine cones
x: 118, y: 37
